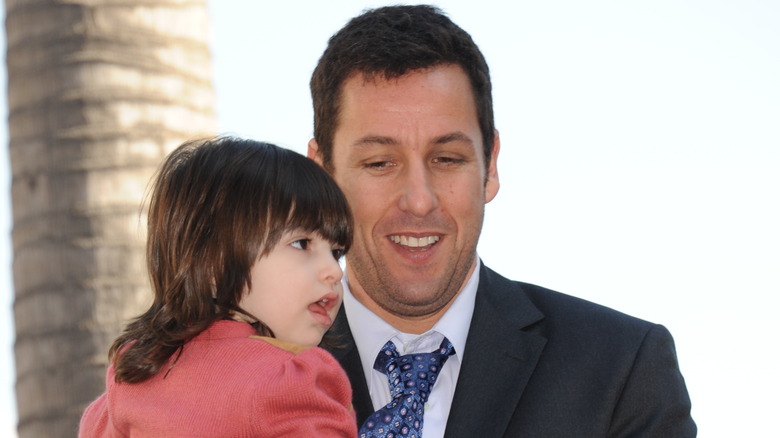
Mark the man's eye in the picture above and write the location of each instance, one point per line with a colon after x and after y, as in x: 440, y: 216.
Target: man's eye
x: 378, y: 164
x: 338, y: 253
x: 301, y: 243
x: 448, y: 160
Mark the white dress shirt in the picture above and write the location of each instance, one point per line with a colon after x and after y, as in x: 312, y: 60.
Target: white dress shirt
x: 372, y: 332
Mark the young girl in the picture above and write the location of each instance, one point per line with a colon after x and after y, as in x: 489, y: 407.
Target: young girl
x: 243, y: 245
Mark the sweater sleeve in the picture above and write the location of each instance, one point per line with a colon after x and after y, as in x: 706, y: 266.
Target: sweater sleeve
x: 311, y: 397
x: 94, y: 421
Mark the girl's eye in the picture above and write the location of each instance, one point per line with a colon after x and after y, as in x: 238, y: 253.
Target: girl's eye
x: 338, y: 253
x: 301, y: 244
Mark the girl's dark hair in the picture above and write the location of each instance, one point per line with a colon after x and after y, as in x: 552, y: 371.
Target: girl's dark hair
x: 216, y: 206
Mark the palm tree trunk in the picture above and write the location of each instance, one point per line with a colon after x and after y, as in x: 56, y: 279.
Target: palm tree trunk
x: 98, y: 92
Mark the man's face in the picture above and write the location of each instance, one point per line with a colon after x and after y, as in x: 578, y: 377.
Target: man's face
x: 408, y: 154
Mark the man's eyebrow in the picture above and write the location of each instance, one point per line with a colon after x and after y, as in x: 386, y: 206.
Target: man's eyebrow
x: 375, y: 140
x: 453, y: 137
x: 389, y: 141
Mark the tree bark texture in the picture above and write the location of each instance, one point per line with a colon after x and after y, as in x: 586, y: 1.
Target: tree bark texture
x: 99, y: 91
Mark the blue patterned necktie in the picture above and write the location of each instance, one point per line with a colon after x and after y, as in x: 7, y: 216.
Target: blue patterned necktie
x: 411, y: 379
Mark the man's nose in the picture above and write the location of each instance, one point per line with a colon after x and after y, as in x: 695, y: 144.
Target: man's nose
x: 418, y: 196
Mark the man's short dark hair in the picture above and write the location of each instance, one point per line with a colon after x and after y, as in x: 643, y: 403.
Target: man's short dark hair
x: 390, y: 42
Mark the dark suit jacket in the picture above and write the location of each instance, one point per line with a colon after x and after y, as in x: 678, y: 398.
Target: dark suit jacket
x: 543, y: 364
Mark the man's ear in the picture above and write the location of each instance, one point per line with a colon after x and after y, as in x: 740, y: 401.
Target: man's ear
x: 491, y: 182
x: 313, y: 151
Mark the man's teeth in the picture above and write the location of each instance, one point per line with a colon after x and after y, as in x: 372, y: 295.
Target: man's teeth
x: 415, y: 242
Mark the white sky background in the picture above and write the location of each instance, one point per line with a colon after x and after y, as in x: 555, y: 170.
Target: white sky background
x: 639, y: 167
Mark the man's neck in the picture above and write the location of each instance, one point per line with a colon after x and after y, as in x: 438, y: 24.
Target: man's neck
x: 405, y: 324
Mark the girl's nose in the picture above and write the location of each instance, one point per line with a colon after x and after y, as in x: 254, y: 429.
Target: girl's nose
x: 331, y: 270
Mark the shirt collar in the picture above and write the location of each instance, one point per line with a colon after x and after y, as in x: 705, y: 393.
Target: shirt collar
x: 374, y: 332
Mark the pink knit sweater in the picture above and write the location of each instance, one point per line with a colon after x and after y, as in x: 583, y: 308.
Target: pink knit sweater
x: 226, y: 384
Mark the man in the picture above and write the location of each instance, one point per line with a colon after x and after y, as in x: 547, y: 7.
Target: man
x: 404, y: 123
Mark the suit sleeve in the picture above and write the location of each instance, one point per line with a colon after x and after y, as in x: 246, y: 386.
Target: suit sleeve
x: 654, y: 401
x: 312, y: 398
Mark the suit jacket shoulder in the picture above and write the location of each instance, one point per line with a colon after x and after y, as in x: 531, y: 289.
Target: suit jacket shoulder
x: 539, y: 363
x: 542, y: 363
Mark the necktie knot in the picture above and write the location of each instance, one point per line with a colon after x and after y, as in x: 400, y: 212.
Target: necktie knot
x: 411, y: 378
x: 412, y: 374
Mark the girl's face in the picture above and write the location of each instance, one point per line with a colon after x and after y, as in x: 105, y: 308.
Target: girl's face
x: 296, y: 289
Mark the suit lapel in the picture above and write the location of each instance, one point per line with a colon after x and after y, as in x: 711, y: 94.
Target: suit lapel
x: 499, y: 359
x: 346, y: 352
